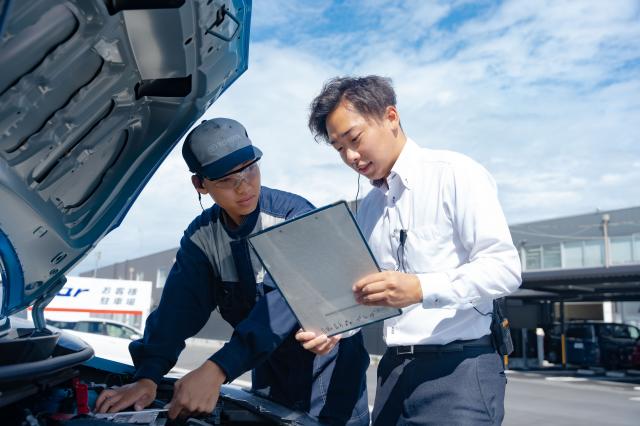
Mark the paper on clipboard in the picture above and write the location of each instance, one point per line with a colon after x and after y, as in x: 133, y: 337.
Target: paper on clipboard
x: 314, y: 260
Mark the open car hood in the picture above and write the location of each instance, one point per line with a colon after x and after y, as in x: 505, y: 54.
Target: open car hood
x: 93, y: 96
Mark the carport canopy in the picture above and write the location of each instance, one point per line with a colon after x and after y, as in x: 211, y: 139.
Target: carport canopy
x: 613, y: 283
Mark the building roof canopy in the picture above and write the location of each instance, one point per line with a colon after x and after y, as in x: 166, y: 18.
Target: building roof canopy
x: 620, y: 282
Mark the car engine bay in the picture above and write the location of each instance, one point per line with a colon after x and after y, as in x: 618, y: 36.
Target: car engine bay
x: 58, y: 381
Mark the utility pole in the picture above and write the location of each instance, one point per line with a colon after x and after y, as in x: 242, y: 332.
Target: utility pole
x: 605, y: 233
x: 95, y: 269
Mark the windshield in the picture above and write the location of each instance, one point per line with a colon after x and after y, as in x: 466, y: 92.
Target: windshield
x: 580, y: 331
x: 117, y: 330
x: 622, y: 331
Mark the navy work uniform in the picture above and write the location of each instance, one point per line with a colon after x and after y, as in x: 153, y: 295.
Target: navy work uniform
x: 215, y: 268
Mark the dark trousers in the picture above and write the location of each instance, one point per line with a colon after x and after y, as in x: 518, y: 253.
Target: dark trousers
x: 331, y: 388
x: 459, y: 387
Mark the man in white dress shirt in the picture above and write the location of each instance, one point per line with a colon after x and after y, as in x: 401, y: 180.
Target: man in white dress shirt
x: 435, y: 225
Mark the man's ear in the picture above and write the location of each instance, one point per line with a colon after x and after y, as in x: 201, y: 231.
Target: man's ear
x: 392, y: 115
x: 197, y: 183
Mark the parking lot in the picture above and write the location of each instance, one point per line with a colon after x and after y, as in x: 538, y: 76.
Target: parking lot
x: 570, y: 398
x: 552, y: 396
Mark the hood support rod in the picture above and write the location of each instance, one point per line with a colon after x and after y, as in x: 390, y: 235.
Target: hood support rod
x: 38, y: 307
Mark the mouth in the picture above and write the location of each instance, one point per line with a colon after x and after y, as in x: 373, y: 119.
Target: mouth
x: 364, y: 168
x: 246, y: 200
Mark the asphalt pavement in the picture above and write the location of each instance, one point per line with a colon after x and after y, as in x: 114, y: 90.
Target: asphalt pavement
x: 533, y: 397
x: 557, y: 398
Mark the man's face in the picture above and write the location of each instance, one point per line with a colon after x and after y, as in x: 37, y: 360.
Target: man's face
x: 367, y: 145
x: 238, y: 193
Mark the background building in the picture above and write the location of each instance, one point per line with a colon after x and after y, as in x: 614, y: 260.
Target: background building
x: 155, y: 268
x: 579, y: 267
x: 599, y: 241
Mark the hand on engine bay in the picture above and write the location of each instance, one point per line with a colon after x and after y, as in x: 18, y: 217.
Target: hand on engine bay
x: 197, y: 392
x: 139, y: 394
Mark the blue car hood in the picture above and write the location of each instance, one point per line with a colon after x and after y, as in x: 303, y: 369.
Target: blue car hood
x: 93, y: 96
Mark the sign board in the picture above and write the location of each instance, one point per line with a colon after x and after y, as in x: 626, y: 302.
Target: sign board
x: 82, y: 296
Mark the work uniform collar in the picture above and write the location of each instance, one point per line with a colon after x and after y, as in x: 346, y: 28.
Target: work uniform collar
x: 245, y: 228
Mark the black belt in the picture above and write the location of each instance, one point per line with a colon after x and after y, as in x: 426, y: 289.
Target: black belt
x: 455, y: 346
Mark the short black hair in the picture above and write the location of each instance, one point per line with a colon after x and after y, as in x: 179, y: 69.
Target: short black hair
x: 370, y: 96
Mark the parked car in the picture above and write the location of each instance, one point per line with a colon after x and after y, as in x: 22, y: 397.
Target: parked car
x: 99, y: 326
x: 104, y: 346
x: 593, y: 343
x: 635, y: 356
x: 94, y: 95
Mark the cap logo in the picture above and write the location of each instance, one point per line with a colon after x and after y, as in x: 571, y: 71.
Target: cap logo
x: 232, y: 141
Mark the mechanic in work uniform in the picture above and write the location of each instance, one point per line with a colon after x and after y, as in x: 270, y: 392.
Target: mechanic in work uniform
x: 215, y: 267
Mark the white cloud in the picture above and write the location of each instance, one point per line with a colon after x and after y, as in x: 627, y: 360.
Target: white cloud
x: 544, y: 94
x: 611, y: 178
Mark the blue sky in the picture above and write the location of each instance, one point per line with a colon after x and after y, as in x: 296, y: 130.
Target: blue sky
x: 544, y: 94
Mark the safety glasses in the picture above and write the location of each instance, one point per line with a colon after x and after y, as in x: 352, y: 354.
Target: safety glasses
x: 234, y: 179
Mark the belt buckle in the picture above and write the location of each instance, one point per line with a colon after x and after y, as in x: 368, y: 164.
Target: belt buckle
x: 409, y: 351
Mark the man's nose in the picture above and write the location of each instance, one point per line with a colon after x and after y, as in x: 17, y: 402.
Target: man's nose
x: 239, y: 183
x: 352, y: 156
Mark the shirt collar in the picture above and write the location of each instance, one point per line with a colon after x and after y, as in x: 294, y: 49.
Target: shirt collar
x: 403, y: 168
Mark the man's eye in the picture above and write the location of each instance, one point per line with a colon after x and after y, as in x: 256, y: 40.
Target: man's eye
x: 224, y: 180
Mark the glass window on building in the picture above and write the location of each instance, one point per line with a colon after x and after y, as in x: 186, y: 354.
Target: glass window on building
x: 593, y: 253
x: 572, y: 254
x: 135, y: 321
x: 621, y: 250
x: 551, y: 256
x: 161, y: 277
x: 636, y: 248
x: 533, y: 257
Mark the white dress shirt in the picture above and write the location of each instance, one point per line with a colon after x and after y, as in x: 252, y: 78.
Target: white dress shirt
x: 458, y: 243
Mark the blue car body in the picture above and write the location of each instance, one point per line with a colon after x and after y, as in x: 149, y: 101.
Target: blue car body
x: 94, y: 94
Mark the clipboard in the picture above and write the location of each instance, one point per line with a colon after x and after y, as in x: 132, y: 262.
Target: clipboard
x: 314, y: 260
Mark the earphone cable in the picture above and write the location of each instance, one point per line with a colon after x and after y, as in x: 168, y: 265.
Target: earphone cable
x: 357, y: 193
x: 200, y: 201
